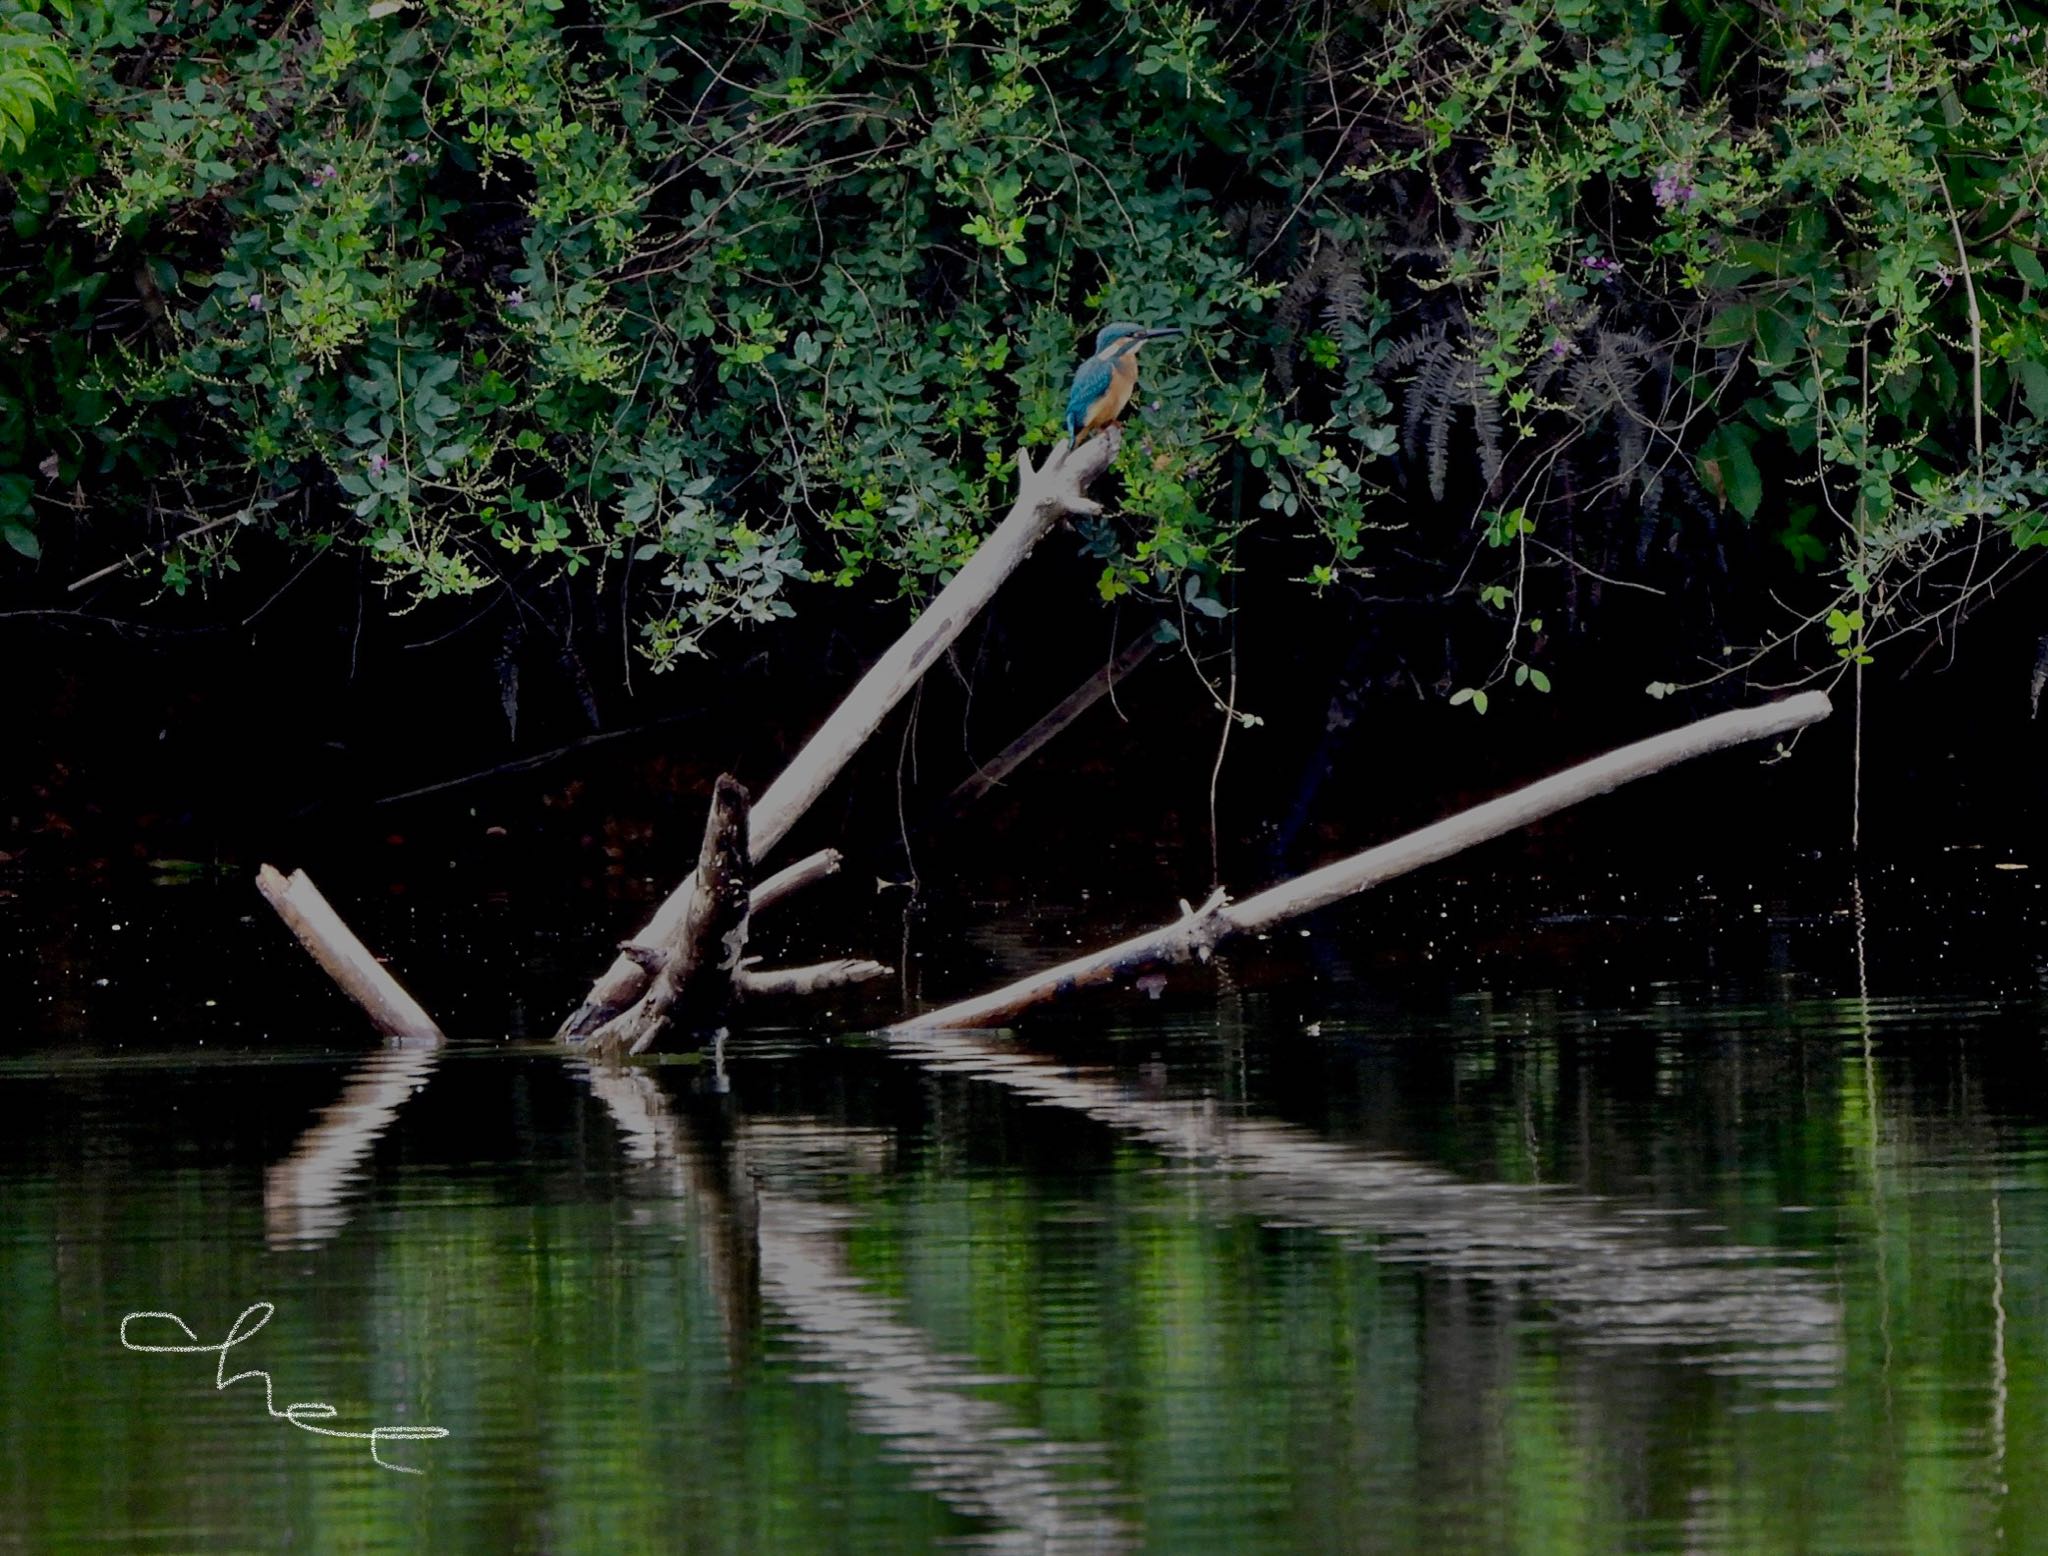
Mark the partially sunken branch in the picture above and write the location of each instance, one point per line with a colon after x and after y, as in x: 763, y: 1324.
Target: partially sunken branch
x: 1196, y: 934
x: 344, y: 957
x: 1044, y: 496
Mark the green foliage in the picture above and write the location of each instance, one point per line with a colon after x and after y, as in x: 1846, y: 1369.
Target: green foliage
x: 739, y: 299
x: 35, y: 72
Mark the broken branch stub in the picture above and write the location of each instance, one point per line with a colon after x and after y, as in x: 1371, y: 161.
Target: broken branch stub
x: 1044, y: 496
x: 1196, y: 935
x: 691, y: 981
x: 793, y: 878
x: 767, y: 982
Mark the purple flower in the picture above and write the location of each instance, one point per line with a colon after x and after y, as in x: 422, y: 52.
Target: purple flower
x: 253, y: 302
x: 1601, y: 266
x: 515, y: 298
x: 1816, y: 59
x: 413, y: 156
x: 1671, y: 191
x: 325, y: 174
x: 379, y: 464
x: 1561, y: 348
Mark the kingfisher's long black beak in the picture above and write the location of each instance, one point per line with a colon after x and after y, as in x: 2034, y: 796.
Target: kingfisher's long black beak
x: 1163, y: 334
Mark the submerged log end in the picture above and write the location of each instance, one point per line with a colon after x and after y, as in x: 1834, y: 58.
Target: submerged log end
x: 344, y: 957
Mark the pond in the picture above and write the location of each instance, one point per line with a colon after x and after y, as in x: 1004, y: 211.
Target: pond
x: 1500, y: 1211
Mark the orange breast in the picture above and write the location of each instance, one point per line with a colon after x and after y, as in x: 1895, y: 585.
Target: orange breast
x: 1123, y: 379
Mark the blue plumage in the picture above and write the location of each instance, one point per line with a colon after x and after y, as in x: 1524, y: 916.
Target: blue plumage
x: 1091, y: 383
x: 1106, y: 381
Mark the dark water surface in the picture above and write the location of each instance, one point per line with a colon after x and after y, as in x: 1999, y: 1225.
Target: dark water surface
x: 1498, y: 1213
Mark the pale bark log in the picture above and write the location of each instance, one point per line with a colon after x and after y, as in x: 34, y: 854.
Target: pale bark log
x: 764, y: 982
x: 1044, y: 496
x: 1196, y: 934
x: 1070, y: 708
x: 345, y: 958
x: 693, y: 982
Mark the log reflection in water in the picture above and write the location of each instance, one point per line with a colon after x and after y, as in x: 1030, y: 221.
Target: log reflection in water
x: 971, y: 1452
x: 1612, y: 1275
x: 305, y: 1195
x: 690, y: 1172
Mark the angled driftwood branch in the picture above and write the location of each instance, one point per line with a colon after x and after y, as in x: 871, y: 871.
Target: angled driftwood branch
x: 1196, y: 934
x: 1044, y: 496
x: 688, y: 977
x: 764, y: 982
x: 1068, y: 709
x: 345, y: 958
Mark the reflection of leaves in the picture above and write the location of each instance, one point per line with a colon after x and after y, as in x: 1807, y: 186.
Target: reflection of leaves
x: 179, y: 872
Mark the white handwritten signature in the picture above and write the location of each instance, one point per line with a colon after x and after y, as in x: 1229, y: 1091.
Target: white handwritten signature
x: 299, y: 1415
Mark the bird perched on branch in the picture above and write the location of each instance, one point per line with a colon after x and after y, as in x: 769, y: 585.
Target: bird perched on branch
x: 1104, y: 384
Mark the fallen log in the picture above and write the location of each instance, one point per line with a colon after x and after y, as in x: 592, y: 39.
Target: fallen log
x: 1196, y: 934
x: 1044, y: 496
x: 344, y: 957
x: 689, y: 977
x: 1069, y: 708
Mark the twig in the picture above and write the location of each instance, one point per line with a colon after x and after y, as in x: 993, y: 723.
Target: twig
x: 135, y: 556
x: 1065, y: 712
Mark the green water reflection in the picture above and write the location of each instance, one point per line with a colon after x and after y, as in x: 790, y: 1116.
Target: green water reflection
x: 1756, y: 1267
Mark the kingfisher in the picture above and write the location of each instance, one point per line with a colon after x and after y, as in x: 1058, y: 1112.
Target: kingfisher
x: 1105, y: 382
